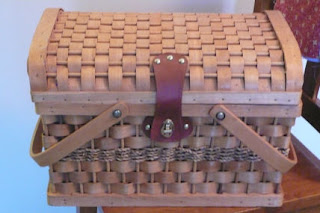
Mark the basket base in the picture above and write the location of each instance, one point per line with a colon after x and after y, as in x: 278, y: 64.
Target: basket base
x: 173, y: 200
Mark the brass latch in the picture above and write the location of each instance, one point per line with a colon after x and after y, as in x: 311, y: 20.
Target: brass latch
x: 167, y: 128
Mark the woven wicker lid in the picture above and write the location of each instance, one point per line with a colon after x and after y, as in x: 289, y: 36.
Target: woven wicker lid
x: 251, y: 58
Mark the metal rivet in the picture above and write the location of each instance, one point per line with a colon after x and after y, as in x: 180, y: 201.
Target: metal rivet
x: 147, y: 127
x: 170, y: 57
x: 117, y: 113
x: 181, y: 60
x: 186, y: 126
x: 157, y: 61
x: 220, y: 116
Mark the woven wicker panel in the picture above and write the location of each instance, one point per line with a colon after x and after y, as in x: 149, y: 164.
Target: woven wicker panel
x: 113, y: 52
x: 88, y: 65
x: 122, y: 160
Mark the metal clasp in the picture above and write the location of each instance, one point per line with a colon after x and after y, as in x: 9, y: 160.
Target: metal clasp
x: 167, y: 124
x: 167, y: 128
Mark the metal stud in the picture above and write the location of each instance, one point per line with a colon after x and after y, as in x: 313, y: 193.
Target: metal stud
x: 186, y: 126
x: 220, y: 116
x: 117, y: 113
x: 147, y: 127
x: 181, y: 60
x: 170, y: 57
x: 157, y: 61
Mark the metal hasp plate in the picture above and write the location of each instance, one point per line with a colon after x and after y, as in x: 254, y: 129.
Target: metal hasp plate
x: 168, y: 124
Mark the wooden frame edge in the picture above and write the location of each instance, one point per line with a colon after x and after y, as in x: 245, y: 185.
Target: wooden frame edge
x: 194, y: 110
x: 38, y: 49
x: 188, y: 97
x: 291, y: 50
x: 169, y: 200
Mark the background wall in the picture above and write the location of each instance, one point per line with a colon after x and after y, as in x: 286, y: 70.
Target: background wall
x: 23, y: 183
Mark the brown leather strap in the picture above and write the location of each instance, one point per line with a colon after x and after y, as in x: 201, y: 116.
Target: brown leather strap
x: 75, y: 140
x: 253, y: 140
x: 169, y: 70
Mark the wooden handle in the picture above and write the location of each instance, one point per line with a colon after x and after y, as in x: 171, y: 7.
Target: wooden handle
x: 75, y: 140
x: 253, y: 140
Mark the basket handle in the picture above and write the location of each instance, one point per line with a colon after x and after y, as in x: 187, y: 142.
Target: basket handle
x: 253, y: 140
x: 78, y: 138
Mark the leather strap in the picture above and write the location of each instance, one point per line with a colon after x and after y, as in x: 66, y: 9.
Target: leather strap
x: 76, y: 139
x: 253, y: 140
x: 169, y: 70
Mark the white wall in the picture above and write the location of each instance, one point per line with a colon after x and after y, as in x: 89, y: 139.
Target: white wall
x: 22, y: 183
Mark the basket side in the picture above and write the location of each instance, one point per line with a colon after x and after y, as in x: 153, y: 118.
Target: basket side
x: 38, y: 50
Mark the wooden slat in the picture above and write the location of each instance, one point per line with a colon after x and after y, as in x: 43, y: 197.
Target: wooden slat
x: 165, y: 200
x: 301, y: 186
x: 291, y: 50
x: 253, y: 140
x: 129, y: 46
x: 38, y: 50
x: 190, y: 97
x: 75, y: 140
x: 195, y: 110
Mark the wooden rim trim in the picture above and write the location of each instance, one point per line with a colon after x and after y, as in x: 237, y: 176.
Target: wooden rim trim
x: 38, y: 50
x: 291, y: 50
x: 253, y: 140
x: 194, y: 110
x: 190, y: 97
x: 76, y: 139
x: 169, y: 199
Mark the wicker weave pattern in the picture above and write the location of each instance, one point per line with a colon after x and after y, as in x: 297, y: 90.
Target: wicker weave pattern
x: 83, y: 67
x: 122, y: 160
x: 105, y: 51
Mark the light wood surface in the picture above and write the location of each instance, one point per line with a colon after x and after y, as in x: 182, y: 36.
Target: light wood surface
x: 38, y: 50
x: 266, y: 98
x: 74, y: 140
x: 253, y: 140
x: 289, y: 206
x: 112, y: 52
x: 301, y: 186
x: 291, y: 50
x: 247, y: 62
x: 194, y: 110
x: 167, y: 200
x: 241, y: 181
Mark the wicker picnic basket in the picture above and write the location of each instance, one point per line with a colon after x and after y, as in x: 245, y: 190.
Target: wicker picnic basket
x: 164, y: 109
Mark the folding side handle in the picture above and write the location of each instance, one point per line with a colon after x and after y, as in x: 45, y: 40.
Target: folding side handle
x: 78, y: 138
x: 253, y: 140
